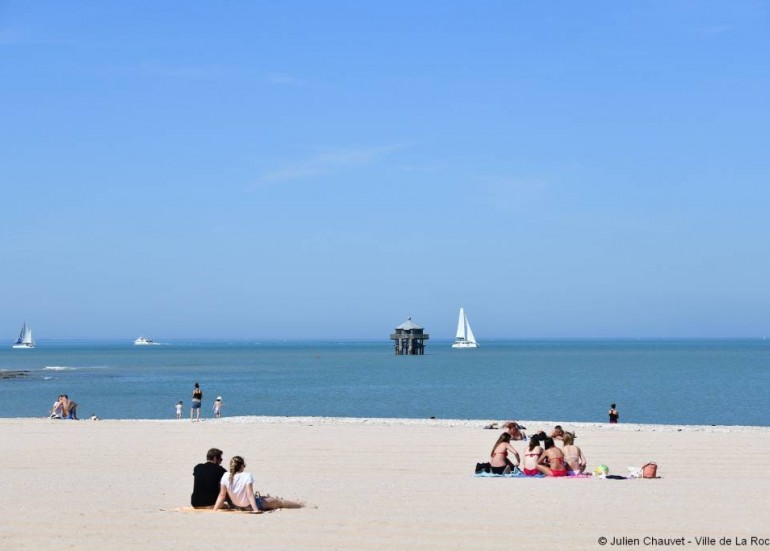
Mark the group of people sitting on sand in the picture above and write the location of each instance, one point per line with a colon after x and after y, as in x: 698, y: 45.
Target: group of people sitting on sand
x: 543, y: 455
x: 64, y: 408
x: 216, y: 488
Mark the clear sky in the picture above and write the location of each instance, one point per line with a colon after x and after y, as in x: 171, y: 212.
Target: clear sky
x: 309, y: 169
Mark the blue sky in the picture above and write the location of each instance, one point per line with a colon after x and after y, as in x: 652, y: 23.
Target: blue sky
x: 327, y: 169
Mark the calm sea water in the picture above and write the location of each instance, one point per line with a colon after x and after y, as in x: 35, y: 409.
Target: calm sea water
x: 676, y: 382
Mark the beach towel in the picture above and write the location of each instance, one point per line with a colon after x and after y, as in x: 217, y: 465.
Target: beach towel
x: 514, y: 474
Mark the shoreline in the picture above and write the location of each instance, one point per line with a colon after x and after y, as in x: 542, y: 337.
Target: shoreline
x: 532, y: 425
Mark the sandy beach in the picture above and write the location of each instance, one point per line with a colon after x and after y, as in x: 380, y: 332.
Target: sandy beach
x: 374, y: 484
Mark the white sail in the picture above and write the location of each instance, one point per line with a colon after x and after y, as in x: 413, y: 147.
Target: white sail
x: 464, y: 337
x: 25, y: 339
x: 461, y: 325
x: 469, y: 337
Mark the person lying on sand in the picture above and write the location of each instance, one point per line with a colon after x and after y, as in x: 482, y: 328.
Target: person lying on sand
x: 558, y: 433
x: 515, y: 430
x: 238, y: 486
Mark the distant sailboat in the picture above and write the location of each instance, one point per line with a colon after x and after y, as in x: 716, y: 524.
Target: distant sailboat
x: 25, y: 339
x: 464, y: 337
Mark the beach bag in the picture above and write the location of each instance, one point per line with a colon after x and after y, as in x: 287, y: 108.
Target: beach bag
x: 483, y: 468
x: 650, y: 470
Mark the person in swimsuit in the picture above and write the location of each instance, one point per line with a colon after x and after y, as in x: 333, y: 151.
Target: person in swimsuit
x: 195, y: 406
x: 529, y: 465
x: 515, y: 430
x: 558, y: 433
x: 500, y: 463
x: 613, y: 413
x: 551, y: 461
x: 573, y: 456
x: 238, y: 485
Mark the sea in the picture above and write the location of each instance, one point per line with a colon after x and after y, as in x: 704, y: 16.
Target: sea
x: 692, y: 382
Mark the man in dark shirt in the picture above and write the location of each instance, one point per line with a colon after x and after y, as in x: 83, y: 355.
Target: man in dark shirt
x: 207, y: 477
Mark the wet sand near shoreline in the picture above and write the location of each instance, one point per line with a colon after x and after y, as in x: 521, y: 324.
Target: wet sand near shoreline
x: 372, y: 484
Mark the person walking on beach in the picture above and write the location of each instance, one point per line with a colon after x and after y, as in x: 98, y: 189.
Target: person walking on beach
x: 179, y: 409
x: 218, y: 405
x: 614, y: 415
x: 238, y: 485
x: 206, y: 480
x: 195, y: 406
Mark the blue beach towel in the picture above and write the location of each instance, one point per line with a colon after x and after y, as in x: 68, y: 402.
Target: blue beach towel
x: 514, y: 474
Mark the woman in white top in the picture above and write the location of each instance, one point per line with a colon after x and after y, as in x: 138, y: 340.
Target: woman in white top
x: 239, y: 485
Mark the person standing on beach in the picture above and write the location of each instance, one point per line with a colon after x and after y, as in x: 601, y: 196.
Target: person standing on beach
x: 218, y: 405
x: 206, y: 480
x: 179, y: 409
x: 614, y: 415
x: 195, y: 406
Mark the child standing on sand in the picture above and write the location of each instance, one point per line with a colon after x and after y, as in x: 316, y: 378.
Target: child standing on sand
x: 179, y: 409
x: 218, y: 405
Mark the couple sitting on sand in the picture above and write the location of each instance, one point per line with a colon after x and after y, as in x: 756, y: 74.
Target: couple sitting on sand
x: 64, y: 408
x: 216, y: 488
x: 551, y: 461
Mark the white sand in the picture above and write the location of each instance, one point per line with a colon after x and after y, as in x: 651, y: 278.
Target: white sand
x: 375, y: 484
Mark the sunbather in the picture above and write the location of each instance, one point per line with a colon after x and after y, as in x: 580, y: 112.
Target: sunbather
x: 529, y: 464
x: 500, y: 463
x: 551, y: 461
x: 573, y: 456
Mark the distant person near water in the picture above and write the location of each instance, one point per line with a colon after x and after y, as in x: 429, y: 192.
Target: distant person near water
x: 614, y: 415
x: 206, y: 480
x: 218, y: 405
x: 238, y: 486
x: 64, y: 408
x: 195, y: 406
x: 178, y: 407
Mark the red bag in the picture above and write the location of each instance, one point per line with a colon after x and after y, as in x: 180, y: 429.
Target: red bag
x: 650, y: 470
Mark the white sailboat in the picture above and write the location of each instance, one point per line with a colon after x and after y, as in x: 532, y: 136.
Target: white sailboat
x: 25, y: 339
x: 464, y: 337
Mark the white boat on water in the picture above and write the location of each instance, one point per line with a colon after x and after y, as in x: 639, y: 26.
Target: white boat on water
x: 144, y: 341
x: 25, y: 339
x: 464, y: 337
